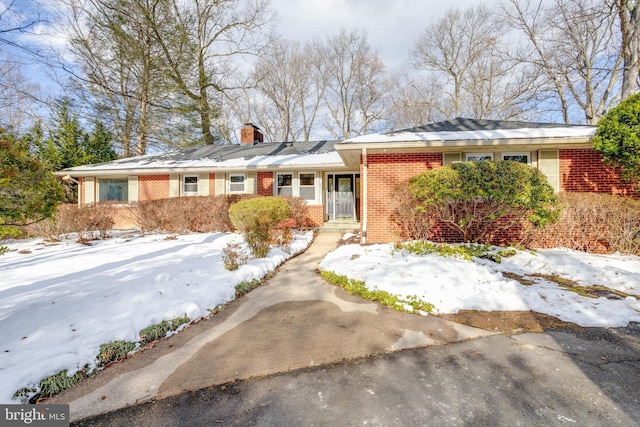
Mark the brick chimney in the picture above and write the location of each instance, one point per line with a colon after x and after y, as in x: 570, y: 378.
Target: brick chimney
x: 250, y: 134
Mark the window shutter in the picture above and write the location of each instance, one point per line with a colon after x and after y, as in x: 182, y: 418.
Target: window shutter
x: 448, y: 158
x: 219, y: 184
x: 89, y: 189
x: 133, y: 189
x: 174, y: 185
x: 250, y: 185
x: 549, y: 164
x: 203, y: 184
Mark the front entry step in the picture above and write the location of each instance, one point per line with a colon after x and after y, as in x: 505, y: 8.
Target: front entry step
x: 341, y: 225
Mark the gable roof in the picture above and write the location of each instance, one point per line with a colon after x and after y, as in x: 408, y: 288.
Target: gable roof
x: 223, y: 157
x: 462, y: 129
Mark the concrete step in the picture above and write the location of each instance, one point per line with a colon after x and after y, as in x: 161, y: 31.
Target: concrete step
x: 341, y: 225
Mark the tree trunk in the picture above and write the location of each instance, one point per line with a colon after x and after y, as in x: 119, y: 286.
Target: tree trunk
x: 630, y: 30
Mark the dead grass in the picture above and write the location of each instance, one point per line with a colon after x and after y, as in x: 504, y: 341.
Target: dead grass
x: 509, y: 322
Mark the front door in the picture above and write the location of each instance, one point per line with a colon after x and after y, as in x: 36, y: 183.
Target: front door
x: 344, y: 197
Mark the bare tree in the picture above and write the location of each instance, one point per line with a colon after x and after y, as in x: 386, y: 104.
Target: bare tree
x: 629, y: 18
x: 20, y: 98
x: 199, y: 40
x: 17, y: 97
x: 18, y: 18
x: 119, y: 64
x: 284, y: 77
x: 352, y: 77
x: 466, y: 53
x: 574, y: 44
x: 413, y: 100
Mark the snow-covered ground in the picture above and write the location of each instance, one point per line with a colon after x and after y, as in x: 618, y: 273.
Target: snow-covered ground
x: 455, y: 284
x: 60, y: 301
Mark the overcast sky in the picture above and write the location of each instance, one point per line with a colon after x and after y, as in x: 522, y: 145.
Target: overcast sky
x: 392, y: 26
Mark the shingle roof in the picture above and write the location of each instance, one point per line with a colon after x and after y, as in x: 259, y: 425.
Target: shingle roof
x: 227, y: 156
x: 461, y: 129
x: 460, y: 124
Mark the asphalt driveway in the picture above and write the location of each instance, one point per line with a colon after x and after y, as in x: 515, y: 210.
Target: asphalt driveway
x: 581, y: 378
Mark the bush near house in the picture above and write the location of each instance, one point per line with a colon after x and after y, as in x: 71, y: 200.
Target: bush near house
x: 185, y: 214
x: 480, y: 199
x: 257, y: 219
x: 593, y: 222
x: 618, y: 138
x: 90, y: 222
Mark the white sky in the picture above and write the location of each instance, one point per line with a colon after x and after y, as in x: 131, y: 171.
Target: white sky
x: 392, y: 26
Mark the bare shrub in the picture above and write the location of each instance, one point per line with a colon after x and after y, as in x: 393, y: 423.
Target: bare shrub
x: 411, y: 222
x: 593, y: 222
x: 90, y: 221
x: 298, y: 212
x: 93, y: 218
x: 185, y: 214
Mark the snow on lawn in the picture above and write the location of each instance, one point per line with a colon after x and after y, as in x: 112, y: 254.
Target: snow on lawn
x: 454, y: 284
x: 60, y: 301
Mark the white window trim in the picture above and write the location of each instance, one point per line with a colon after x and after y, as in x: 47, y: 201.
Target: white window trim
x: 98, y: 184
x: 244, y: 183
x: 315, y: 185
x: 466, y: 155
x: 518, y: 154
x: 293, y: 183
x: 184, y: 184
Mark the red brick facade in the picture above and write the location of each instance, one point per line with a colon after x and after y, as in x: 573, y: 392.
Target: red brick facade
x: 265, y: 184
x: 582, y: 171
x: 316, y: 215
x: 384, y: 173
x: 151, y: 187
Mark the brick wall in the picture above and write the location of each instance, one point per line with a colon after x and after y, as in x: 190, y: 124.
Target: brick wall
x: 385, y: 172
x: 151, y: 187
x: 265, y: 184
x: 316, y: 215
x: 582, y: 170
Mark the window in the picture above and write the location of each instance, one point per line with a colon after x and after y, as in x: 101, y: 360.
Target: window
x: 236, y: 183
x: 190, y: 185
x: 516, y: 157
x: 113, y: 190
x: 474, y: 157
x: 308, y: 186
x: 285, y: 184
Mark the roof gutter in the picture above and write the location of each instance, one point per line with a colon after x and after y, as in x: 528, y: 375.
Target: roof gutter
x: 503, y: 142
x: 199, y: 169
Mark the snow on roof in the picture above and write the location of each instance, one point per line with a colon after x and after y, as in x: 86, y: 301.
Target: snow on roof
x: 228, y: 157
x: 467, y: 130
x: 241, y: 162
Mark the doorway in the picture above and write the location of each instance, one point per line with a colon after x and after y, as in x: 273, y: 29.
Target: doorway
x: 342, y: 196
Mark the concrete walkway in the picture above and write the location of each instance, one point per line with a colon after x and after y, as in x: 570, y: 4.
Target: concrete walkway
x: 294, y: 320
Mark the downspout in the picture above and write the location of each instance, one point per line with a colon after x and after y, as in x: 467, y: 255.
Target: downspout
x: 365, y: 198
